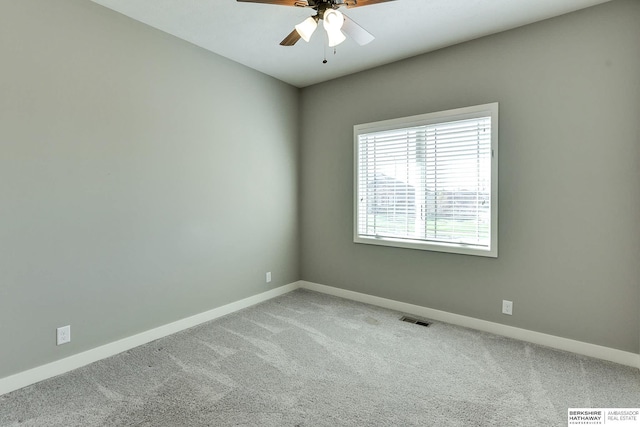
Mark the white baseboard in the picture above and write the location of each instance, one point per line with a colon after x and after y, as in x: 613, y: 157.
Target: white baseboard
x: 32, y: 376
x: 40, y: 373
x: 579, y: 347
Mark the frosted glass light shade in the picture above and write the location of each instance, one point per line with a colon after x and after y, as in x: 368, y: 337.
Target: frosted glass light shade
x: 332, y: 22
x: 306, y: 28
x: 335, y: 37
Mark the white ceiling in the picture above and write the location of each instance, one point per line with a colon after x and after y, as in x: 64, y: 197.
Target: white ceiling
x: 250, y: 33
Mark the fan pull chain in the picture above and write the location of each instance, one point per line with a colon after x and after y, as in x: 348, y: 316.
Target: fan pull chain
x: 335, y: 51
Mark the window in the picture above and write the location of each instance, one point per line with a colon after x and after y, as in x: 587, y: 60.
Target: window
x: 429, y: 182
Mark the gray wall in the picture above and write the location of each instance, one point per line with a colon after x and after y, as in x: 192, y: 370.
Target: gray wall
x: 142, y: 179
x: 130, y: 179
x: 569, y: 224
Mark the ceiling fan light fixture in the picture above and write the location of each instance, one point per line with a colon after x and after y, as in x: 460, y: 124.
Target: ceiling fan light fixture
x: 333, y: 21
x: 306, y: 28
x: 335, y: 37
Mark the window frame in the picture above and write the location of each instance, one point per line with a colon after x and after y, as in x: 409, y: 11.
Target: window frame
x: 484, y: 110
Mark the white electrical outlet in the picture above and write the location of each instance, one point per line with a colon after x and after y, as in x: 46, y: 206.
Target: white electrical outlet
x: 507, y: 307
x: 268, y: 277
x: 63, y: 335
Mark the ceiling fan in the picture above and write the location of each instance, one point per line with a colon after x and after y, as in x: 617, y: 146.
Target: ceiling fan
x: 334, y: 22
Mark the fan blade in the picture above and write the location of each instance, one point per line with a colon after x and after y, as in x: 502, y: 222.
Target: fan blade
x: 291, y: 39
x: 299, y: 3
x: 360, y: 3
x: 356, y: 32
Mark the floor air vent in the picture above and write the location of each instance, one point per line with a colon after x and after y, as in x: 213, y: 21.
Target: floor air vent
x: 414, y: 320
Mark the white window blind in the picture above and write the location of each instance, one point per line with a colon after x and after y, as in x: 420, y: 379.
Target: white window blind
x: 428, y: 185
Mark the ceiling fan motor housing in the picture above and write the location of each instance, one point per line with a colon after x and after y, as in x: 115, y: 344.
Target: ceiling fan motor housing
x: 322, y: 5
